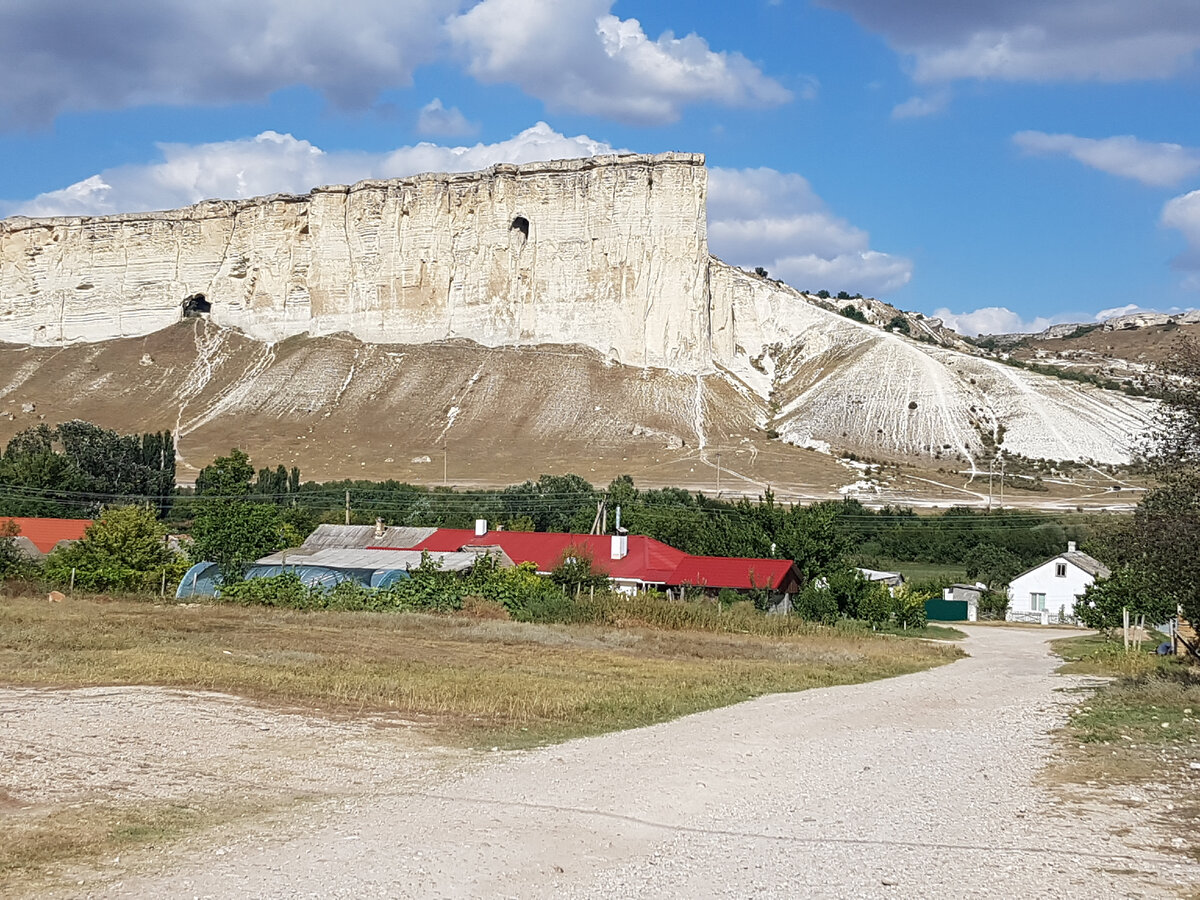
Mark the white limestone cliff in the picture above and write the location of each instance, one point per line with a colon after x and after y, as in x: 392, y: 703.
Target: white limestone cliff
x: 609, y: 252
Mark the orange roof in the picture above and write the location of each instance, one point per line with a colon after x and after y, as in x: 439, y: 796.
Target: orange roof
x: 46, y: 533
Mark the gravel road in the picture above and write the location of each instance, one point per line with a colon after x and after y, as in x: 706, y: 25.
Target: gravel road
x: 921, y: 786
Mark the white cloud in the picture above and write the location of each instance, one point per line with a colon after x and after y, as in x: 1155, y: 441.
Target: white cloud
x: 1154, y: 164
x: 1036, y: 40
x: 761, y: 217
x: 998, y: 320
x: 1183, y: 214
x: 279, y: 163
x: 576, y: 56
x: 435, y: 119
x: 921, y: 105
x: 573, y: 54
x: 81, y: 56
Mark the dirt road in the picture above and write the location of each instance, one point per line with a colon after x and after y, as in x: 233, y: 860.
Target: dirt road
x: 921, y: 786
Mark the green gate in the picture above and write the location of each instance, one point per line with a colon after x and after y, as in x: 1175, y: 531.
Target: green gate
x: 946, y: 610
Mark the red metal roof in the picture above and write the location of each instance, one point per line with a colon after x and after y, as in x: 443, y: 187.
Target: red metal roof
x: 648, y: 560
x: 732, y: 572
x: 46, y: 533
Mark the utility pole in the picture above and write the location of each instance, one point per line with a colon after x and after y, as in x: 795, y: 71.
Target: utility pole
x: 991, y: 468
x: 1002, y: 484
x: 445, y: 462
x: 718, y: 476
x: 347, y: 507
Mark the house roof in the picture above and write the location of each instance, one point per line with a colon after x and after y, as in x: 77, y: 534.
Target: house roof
x: 1077, y: 558
x: 45, y: 534
x: 363, y: 536
x: 1089, y: 564
x: 647, y: 560
x: 377, y: 560
x: 732, y: 572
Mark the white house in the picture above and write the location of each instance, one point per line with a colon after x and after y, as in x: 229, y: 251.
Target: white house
x: 1049, y: 590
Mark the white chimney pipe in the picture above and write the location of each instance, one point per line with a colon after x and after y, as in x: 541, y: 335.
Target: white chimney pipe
x: 378, y: 527
x: 620, y: 546
x: 1070, y: 546
x: 480, y: 527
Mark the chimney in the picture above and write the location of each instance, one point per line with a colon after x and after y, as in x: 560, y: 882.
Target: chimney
x: 480, y: 527
x: 620, y: 546
x: 378, y: 527
x: 1070, y: 546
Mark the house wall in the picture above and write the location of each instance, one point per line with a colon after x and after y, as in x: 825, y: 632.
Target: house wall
x: 1060, y: 592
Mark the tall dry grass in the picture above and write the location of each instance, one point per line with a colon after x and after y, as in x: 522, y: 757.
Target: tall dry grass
x: 473, y: 680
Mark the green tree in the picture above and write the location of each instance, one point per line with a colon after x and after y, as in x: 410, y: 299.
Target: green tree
x: 993, y: 565
x: 230, y: 529
x: 226, y: 476
x: 1158, y: 548
x: 125, y: 549
x: 12, y: 561
x: 577, y: 570
x: 1104, y: 602
x: 234, y: 533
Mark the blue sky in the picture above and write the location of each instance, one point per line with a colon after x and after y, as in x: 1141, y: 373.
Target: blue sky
x: 1005, y: 163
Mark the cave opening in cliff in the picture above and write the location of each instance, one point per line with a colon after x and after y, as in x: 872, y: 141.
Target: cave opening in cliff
x: 196, y: 306
x: 521, y: 224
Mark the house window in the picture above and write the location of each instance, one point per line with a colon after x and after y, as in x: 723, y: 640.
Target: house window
x: 1037, y: 602
x: 1060, y: 570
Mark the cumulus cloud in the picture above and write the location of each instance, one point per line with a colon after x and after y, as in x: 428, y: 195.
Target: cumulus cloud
x: 435, y: 119
x: 1036, y: 40
x: 761, y: 217
x: 576, y: 56
x: 1154, y: 164
x: 121, y: 53
x: 998, y: 320
x: 921, y: 105
x: 280, y: 163
x: 573, y: 54
x: 1183, y: 213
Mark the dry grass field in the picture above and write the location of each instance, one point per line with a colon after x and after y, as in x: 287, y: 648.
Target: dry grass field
x: 470, y: 680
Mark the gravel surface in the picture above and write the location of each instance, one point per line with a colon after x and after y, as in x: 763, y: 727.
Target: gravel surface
x: 921, y: 786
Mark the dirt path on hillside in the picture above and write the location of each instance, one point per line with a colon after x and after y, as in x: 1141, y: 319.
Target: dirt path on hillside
x: 921, y: 786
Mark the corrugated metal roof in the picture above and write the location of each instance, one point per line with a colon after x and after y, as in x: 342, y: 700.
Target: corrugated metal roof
x: 1089, y: 564
x: 647, y: 560
x: 732, y: 572
x: 375, y: 560
x: 362, y: 536
x: 45, y: 534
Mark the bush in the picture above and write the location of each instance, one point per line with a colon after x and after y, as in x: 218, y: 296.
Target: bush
x: 908, y: 608
x: 124, y: 550
x: 815, y: 605
x: 993, y: 606
x: 875, y: 606
x: 850, y: 311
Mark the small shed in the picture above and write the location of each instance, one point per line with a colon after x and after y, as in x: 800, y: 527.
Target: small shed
x: 958, y: 603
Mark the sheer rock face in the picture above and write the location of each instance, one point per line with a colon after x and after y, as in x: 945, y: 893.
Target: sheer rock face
x: 608, y: 252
